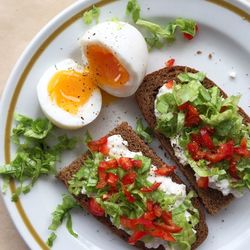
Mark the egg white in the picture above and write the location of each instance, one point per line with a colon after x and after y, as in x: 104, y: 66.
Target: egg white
x: 58, y: 116
x: 128, y: 46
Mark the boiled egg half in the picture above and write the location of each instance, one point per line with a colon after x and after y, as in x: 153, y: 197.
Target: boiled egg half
x: 67, y: 95
x: 117, y: 55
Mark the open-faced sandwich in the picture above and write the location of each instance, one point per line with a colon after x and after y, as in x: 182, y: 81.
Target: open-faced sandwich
x: 204, y: 131
x: 126, y: 186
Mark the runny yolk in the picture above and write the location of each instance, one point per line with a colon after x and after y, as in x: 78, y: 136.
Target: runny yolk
x: 70, y: 89
x: 104, y: 67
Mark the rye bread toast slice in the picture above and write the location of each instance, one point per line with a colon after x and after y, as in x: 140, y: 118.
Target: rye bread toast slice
x: 134, y: 144
x: 212, y: 199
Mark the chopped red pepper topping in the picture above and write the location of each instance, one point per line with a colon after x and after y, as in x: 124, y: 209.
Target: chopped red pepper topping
x: 170, y: 228
x: 159, y: 233
x: 206, y: 139
x: 137, y: 163
x: 132, y: 223
x: 233, y: 169
x: 151, y: 188
x: 105, y: 178
x: 111, y: 164
x: 137, y: 235
x: 99, y: 145
x: 170, y: 63
x: 188, y: 36
x: 128, y: 195
x: 129, y: 178
x: 243, y: 143
x: 157, y: 210
x: 192, y: 117
x: 104, y: 149
x: 203, y: 138
x: 150, y: 205
x: 225, y: 151
x: 166, y: 216
x: 102, y: 178
x: 112, y: 179
x: 149, y: 215
x: 169, y: 84
x: 196, y: 138
x: 125, y: 162
x: 165, y: 170
x: 126, y: 222
x: 154, y: 210
x: 155, y: 223
x: 202, y: 182
x: 242, y: 150
x: 95, y: 208
x: 193, y: 149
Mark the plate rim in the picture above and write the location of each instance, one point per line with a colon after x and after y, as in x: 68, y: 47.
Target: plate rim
x: 29, y: 56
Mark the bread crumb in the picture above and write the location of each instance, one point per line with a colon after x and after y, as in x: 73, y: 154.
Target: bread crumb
x: 232, y: 74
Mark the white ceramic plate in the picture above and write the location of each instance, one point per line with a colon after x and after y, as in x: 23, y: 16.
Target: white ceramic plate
x: 223, y: 33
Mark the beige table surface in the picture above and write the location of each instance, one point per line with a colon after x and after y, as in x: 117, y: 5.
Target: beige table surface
x: 19, y: 23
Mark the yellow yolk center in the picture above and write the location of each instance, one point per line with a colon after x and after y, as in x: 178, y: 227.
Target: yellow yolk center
x: 104, y: 67
x: 70, y: 89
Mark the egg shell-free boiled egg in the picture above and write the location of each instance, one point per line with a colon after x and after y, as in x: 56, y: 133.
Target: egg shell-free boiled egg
x: 79, y: 116
x: 120, y: 51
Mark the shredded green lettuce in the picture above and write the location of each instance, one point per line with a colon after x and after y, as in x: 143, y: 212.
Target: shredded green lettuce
x: 69, y: 226
x: 188, y: 77
x: 186, y: 237
x: 158, y: 34
x: 134, y: 9
x: 144, y: 132
x: 87, y: 138
x: 6, y: 181
x: 201, y: 169
x: 62, y: 212
x: 87, y: 176
x: 50, y: 241
x: 91, y: 15
x: 34, y: 156
x: 37, y: 129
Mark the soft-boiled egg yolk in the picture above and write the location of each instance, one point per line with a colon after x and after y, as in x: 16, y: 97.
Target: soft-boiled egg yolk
x: 105, y: 68
x: 117, y: 55
x: 70, y: 89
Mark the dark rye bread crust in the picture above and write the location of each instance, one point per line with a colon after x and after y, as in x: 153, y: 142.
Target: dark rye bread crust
x: 212, y: 199
x: 134, y: 144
